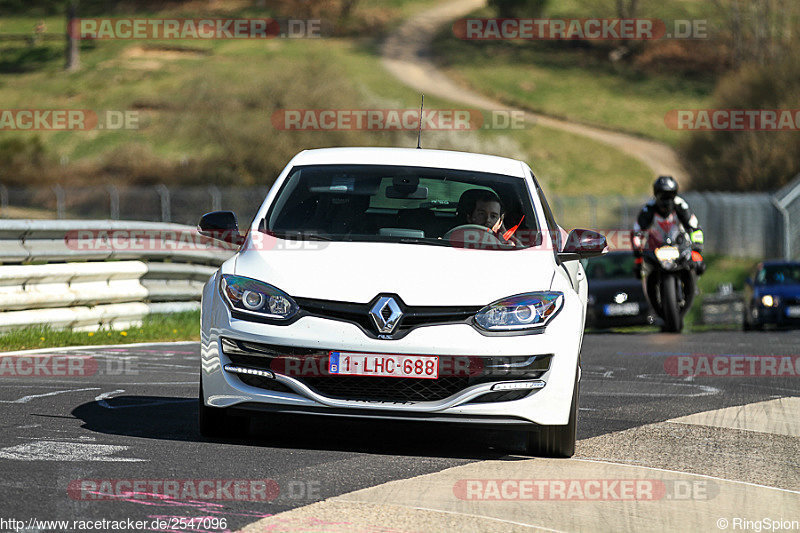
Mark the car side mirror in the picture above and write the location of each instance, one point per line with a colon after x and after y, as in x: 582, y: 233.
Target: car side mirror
x: 583, y: 243
x: 749, y: 281
x: 222, y: 226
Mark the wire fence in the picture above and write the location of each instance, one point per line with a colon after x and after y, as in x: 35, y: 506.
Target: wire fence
x: 753, y: 225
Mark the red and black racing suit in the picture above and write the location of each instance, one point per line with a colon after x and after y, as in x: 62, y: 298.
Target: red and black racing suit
x: 648, y: 216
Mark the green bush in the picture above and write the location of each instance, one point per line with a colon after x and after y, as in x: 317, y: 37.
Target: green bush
x: 22, y: 160
x: 749, y: 160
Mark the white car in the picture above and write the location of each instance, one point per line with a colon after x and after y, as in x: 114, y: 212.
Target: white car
x: 409, y: 284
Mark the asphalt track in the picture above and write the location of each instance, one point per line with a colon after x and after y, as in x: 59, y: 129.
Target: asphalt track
x: 134, y: 418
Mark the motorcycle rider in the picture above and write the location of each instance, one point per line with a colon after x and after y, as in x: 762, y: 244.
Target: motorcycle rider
x: 664, y: 208
x: 665, y: 202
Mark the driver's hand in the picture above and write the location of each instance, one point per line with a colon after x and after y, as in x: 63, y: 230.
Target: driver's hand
x: 498, y: 226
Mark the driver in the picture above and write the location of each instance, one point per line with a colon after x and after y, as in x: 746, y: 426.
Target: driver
x: 487, y: 211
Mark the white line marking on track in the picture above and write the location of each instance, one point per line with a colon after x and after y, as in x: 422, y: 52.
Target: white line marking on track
x: 101, y: 398
x: 532, y: 526
x: 66, y: 451
x: 704, y: 390
x: 94, y: 347
x: 26, y: 399
x: 686, y: 474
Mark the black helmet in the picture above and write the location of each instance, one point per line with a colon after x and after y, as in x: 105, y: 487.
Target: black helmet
x: 665, y: 188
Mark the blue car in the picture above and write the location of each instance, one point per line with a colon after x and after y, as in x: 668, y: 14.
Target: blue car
x: 772, y: 295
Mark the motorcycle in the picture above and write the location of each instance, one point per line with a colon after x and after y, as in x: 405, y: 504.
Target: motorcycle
x: 669, y: 272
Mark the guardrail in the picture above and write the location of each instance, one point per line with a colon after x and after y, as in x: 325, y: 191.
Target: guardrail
x: 86, y: 274
x: 719, y: 309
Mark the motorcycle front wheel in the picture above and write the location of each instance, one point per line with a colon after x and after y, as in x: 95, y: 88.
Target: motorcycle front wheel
x: 670, y: 287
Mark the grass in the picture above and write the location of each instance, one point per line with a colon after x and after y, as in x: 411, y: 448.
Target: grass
x: 206, y: 115
x: 579, y: 83
x: 154, y: 328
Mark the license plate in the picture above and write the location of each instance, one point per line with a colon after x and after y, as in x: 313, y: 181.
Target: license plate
x: 383, y: 365
x: 628, y: 309
x: 793, y: 311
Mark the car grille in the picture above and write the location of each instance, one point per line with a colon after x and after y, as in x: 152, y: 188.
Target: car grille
x: 413, y: 316
x: 382, y: 389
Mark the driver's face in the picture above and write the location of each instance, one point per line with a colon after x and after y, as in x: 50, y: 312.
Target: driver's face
x: 485, y: 214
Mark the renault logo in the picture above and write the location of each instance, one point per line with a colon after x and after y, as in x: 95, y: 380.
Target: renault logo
x: 386, y: 314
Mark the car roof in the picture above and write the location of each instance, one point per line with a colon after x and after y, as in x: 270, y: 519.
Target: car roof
x: 412, y: 157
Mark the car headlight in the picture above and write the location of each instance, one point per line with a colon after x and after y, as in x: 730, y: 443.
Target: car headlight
x: 524, y: 311
x: 769, y: 301
x: 256, y: 298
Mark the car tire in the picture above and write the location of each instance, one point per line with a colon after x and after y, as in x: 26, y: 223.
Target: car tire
x: 216, y: 422
x: 556, y: 441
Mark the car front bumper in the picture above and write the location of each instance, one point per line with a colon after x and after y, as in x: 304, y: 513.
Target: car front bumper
x: 549, y: 405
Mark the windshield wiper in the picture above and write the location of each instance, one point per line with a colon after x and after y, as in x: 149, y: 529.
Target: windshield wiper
x: 424, y: 240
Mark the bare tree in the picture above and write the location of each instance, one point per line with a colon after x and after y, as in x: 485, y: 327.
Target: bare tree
x: 73, y: 61
x: 627, y: 9
x: 759, y: 30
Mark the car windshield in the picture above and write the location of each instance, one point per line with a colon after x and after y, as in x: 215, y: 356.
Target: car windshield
x: 610, y: 266
x: 417, y: 205
x: 779, y: 275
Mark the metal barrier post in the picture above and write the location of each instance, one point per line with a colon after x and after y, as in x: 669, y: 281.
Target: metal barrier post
x: 113, y: 201
x: 216, y: 198
x: 60, y: 208
x: 163, y: 193
x: 3, y: 201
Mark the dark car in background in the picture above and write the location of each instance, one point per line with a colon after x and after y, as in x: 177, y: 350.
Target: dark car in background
x: 772, y: 295
x: 616, y: 297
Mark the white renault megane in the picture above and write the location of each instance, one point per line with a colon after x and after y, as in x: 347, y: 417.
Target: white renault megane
x: 395, y: 283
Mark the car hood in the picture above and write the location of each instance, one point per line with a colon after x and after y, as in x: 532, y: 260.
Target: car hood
x: 419, y: 274
x: 783, y: 291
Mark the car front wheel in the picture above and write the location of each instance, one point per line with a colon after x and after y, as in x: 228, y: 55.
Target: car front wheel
x: 216, y: 422
x: 556, y: 441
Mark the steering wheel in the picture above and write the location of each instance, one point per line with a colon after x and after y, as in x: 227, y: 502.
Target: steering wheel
x: 475, y: 227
